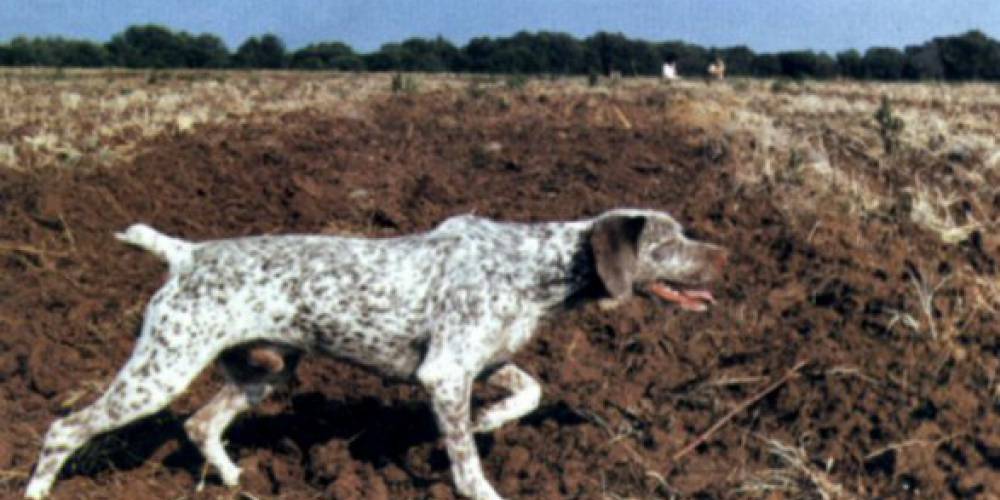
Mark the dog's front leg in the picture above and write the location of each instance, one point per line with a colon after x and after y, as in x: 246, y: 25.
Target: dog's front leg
x: 450, y: 390
x: 525, y: 394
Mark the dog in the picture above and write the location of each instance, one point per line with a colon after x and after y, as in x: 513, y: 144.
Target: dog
x: 440, y: 308
x: 717, y: 69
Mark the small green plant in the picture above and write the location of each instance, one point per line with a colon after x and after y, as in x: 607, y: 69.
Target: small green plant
x: 403, y: 83
x: 593, y: 78
x: 516, y: 81
x: 475, y: 90
x: 503, y: 102
x: 781, y: 85
x: 889, y: 126
x: 795, y: 160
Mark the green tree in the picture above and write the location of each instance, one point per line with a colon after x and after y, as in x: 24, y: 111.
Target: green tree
x: 969, y: 56
x: 851, y: 64
x: 153, y: 46
x: 53, y: 51
x: 26, y: 52
x: 522, y: 53
x: 478, y: 55
x: 605, y: 52
x: 516, y: 58
x: 807, y: 64
x: 268, y: 51
x: 418, y: 54
x: 563, y: 54
x: 643, y: 58
x: 149, y: 46
x: 387, y: 58
x: 798, y: 64
x: 766, y: 66
x: 739, y: 60
x: 83, y: 54
x: 204, y: 51
x: 826, y: 66
x: 328, y: 55
x: 923, y: 62
x: 883, y: 63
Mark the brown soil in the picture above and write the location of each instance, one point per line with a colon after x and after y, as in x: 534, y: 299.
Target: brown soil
x: 877, y: 411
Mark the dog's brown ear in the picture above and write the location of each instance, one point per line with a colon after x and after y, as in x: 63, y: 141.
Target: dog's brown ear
x: 615, y: 243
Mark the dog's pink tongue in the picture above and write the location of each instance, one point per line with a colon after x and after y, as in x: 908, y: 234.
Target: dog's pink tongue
x: 700, y: 295
x: 690, y: 300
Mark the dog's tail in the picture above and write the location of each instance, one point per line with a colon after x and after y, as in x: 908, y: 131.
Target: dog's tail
x: 173, y: 251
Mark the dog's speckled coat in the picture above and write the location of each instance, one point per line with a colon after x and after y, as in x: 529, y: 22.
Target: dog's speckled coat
x: 439, y: 307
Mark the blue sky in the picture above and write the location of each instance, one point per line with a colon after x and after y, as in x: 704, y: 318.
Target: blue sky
x: 764, y: 25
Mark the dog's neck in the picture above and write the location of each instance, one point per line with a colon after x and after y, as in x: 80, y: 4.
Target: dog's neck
x: 567, y: 272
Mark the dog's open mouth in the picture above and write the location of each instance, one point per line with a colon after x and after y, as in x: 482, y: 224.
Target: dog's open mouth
x: 690, y: 300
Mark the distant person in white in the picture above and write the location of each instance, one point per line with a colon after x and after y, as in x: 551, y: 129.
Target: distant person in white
x: 670, y: 71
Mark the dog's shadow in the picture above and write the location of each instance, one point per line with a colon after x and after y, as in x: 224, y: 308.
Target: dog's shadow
x: 377, y: 433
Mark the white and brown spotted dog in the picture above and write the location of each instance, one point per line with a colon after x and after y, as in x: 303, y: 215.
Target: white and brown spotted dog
x: 717, y: 69
x: 440, y: 308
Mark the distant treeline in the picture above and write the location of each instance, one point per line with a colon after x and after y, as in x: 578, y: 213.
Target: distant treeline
x: 970, y: 56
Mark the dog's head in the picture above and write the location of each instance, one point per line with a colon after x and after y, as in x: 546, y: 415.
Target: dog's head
x: 646, y: 250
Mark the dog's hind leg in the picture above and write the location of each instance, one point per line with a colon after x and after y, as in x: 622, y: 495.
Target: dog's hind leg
x: 163, y: 364
x: 252, y: 373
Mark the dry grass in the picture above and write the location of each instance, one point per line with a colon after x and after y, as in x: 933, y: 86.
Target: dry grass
x: 65, y: 118
x: 931, y: 209
x: 925, y: 293
x: 796, y: 476
x: 816, y: 148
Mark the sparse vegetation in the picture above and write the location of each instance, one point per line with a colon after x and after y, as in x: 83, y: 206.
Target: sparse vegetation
x: 795, y: 475
x: 517, y: 82
x: 890, y: 126
x: 96, y: 116
x: 404, y: 83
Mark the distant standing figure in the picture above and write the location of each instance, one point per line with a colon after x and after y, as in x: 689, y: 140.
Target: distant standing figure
x: 717, y: 69
x: 670, y: 71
